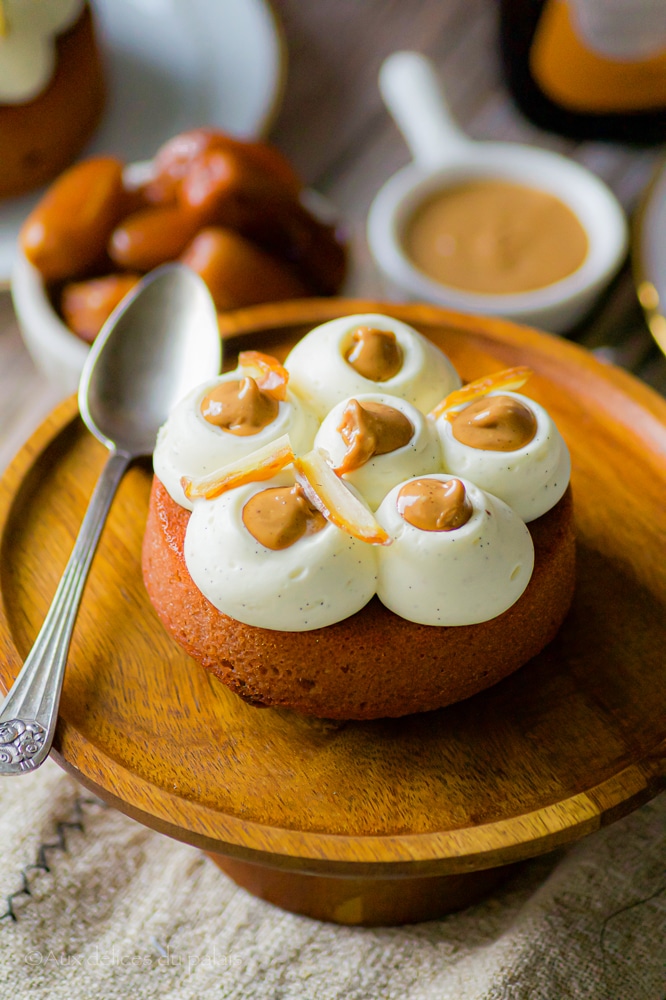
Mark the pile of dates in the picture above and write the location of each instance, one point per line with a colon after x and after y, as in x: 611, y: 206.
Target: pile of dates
x: 230, y: 210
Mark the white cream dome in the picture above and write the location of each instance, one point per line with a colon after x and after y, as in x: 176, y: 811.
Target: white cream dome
x: 189, y: 445
x: 459, y: 577
x: 530, y: 479
x: 322, y: 377
x: 462, y: 576
x: 319, y: 580
x: 375, y: 478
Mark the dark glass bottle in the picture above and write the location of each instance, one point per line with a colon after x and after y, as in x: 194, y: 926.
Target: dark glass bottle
x: 589, y: 69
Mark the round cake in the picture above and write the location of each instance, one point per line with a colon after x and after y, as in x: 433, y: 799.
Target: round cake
x: 344, y: 547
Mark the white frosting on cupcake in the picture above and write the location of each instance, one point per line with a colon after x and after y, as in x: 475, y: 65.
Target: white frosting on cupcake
x: 28, y: 47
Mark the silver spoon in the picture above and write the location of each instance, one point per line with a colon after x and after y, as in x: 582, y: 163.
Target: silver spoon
x: 159, y: 343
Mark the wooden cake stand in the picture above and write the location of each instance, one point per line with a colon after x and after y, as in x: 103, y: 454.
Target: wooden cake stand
x: 366, y: 822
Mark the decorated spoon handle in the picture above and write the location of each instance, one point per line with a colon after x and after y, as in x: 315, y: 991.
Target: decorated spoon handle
x: 29, y: 713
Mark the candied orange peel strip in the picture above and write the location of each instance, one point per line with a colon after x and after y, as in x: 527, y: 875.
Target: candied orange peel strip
x: 256, y: 467
x: 335, y: 501
x: 268, y: 373
x: 508, y: 379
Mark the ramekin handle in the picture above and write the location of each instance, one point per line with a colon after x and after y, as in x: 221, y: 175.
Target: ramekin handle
x: 413, y: 94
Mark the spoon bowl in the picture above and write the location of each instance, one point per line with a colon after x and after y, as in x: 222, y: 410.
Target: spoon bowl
x: 161, y: 341
x: 157, y: 344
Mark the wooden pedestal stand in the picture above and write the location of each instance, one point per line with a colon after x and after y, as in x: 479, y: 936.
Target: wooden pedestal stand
x: 386, y: 821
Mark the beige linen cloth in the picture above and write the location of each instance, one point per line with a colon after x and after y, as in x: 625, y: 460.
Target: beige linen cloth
x: 125, y: 912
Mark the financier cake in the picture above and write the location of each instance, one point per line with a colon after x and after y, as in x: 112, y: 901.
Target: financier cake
x: 356, y: 535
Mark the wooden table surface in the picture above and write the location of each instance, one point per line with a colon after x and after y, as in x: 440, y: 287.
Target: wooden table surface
x: 335, y: 129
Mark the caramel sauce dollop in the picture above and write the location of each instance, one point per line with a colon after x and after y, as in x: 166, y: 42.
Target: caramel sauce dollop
x: 495, y: 423
x: 371, y: 429
x: 433, y: 505
x: 374, y: 354
x: 279, y: 516
x: 239, y: 407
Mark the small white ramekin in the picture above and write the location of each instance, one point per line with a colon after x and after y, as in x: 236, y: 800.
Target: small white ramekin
x: 444, y: 157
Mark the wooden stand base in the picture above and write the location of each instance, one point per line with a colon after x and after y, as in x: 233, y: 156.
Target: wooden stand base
x: 367, y: 902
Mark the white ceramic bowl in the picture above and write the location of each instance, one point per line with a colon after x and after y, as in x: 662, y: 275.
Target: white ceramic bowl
x: 56, y: 351
x: 443, y: 157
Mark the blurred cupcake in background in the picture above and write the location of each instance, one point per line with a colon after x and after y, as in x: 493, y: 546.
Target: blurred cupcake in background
x: 51, y: 89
